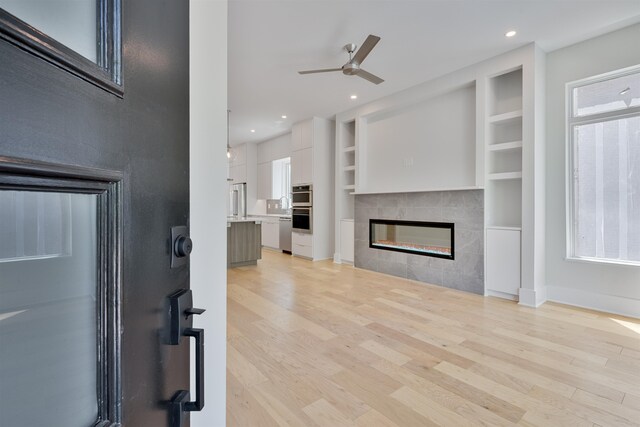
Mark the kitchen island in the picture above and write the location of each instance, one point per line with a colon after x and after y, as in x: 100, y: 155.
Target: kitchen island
x: 244, y: 241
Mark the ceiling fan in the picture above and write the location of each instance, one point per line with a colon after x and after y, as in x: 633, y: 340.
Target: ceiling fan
x: 352, y: 68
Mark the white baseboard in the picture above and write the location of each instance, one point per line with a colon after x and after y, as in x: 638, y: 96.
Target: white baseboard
x: 490, y: 293
x: 531, y: 297
x: 585, y: 299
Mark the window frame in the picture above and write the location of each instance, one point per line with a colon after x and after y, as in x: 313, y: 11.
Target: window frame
x: 571, y: 122
x: 24, y: 175
x: 106, y: 73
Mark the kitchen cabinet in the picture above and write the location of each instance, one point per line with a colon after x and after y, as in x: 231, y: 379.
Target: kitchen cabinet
x: 302, y: 244
x: 302, y: 166
x: 271, y: 233
x: 264, y: 181
x: 238, y: 173
x: 243, y: 243
x: 302, y: 135
x: 313, y: 162
x: 238, y: 155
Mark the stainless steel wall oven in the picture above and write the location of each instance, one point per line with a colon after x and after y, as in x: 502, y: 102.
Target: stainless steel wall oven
x: 302, y: 195
x: 302, y: 219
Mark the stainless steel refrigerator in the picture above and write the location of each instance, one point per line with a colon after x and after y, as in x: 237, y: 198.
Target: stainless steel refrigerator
x: 238, y: 200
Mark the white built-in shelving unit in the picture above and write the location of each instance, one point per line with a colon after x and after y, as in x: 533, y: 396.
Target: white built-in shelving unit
x: 494, y: 119
x: 503, y: 183
x: 345, y: 187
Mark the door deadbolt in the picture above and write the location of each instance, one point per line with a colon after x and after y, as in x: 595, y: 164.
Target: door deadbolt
x: 181, y: 246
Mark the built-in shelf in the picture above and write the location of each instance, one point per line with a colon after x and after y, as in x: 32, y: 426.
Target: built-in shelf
x: 505, y: 175
x: 503, y: 197
x: 349, y: 187
x: 513, y: 145
x: 505, y: 117
x: 349, y: 168
x: 500, y: 227
x: 349, y: 149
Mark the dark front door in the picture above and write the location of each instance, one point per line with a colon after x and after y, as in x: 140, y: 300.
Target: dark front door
x: 93, y: 176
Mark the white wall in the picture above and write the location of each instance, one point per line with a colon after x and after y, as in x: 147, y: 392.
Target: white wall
x: 208, y: 176
x: 613, y: 288
x: 428, y: 145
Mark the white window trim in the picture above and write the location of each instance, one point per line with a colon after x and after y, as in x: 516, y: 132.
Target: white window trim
x: 570, y: 123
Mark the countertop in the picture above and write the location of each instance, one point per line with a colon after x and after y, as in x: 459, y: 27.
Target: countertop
x: 231, y: 219
x: 271, y: 216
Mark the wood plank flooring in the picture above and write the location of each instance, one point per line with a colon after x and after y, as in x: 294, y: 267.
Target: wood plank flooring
x: 320, y: 344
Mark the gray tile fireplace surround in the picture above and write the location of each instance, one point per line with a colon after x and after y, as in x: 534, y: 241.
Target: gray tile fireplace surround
x: 463, y: 208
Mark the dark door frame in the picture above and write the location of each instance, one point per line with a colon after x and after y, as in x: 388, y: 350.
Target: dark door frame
x: 27, y: 175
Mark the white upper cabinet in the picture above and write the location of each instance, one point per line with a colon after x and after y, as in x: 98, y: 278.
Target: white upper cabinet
x: 264, y: 181
x: 302, y: 135
x: 238, y: 155
x: 302, y: 166
x: 238, y: 173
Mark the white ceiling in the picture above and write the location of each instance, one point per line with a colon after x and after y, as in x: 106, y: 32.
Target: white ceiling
x: 269, y: 41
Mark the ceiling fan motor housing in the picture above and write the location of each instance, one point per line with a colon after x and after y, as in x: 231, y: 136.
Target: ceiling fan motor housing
x: 350, y: 68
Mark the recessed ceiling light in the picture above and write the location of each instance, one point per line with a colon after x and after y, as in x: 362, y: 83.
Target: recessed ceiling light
x: 510, y: 33
x: 625, y: 90
x: 253, y: 131
x: 284, y: 117
x: 354, y: 96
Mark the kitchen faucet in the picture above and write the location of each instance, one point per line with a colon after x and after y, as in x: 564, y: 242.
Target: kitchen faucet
x: 287, y: 202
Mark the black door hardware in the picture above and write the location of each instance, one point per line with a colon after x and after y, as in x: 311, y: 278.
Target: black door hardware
x: 181, y: 322
x: 181, y: 246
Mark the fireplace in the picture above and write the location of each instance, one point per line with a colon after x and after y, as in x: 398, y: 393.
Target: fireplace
x: 415, y: 237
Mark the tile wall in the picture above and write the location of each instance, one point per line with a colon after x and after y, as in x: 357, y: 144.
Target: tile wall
x: 463, y: 208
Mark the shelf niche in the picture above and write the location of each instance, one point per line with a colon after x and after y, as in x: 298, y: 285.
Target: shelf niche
x: 346, y: 153
x: 503, y: 184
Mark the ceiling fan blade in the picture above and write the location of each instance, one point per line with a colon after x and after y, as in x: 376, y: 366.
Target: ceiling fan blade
x: 326, y: 70
x: 366, y: 47
x: 368, y: 76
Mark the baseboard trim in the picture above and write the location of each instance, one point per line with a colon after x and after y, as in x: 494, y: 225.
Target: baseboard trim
x: 532, y: 298
x: 594, y: 301
x: 503, y: 295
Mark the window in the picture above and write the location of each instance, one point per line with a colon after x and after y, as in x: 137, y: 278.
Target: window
x: 604, y: 168
x: 281, y: 178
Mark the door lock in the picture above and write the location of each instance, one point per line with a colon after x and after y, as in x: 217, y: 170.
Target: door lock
x: 181, y: 246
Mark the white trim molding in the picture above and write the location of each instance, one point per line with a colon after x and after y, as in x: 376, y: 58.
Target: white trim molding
x: 624, y: 306
x: 533, y: 298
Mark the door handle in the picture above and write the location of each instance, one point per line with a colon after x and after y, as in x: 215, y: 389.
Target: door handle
x: 181, y: 323
x: 198, y: 404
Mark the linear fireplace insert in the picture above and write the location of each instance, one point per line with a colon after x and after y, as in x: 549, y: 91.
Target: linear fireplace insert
x: 416, y: 237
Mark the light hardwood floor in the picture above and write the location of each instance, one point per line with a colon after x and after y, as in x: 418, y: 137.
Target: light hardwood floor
x: 319, y: 344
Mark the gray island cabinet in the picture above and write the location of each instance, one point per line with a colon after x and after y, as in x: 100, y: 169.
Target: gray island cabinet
x: 244, y: 242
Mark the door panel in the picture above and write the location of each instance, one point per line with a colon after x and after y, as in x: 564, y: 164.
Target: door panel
x: 50, y: 115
